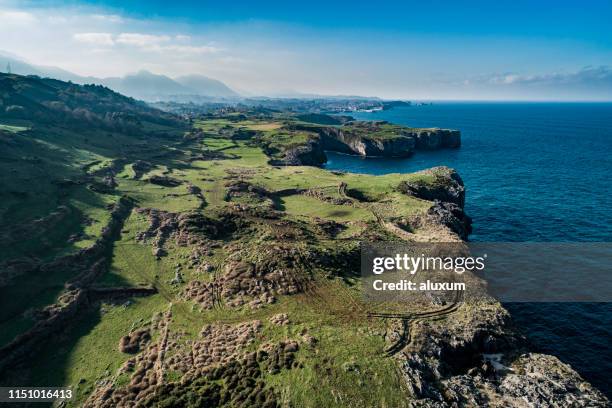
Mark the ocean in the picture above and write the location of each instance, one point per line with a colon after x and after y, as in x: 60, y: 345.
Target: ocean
x: 534, y: 172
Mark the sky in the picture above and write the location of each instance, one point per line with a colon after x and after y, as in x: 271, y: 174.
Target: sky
x: 419, y: 50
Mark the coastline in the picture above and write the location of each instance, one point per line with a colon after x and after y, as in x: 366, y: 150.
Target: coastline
x: 524, y: 204
x: 235, y: 268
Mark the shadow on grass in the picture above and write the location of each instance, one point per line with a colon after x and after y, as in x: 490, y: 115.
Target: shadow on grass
x: 48, y: 367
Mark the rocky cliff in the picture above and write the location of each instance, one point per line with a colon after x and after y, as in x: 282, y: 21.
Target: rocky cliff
x: 343, y: 141
x: 431, y: 139
x: 401, y: 145
x: 310, y: 153
x: 368, y: 139
x: 477, y: 358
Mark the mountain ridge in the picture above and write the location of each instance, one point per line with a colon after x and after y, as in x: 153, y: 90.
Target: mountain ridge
x: 142, y: 84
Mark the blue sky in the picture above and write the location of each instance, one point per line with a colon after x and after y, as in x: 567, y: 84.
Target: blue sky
x: 526, y: 50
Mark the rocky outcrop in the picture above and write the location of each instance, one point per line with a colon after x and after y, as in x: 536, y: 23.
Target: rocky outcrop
x: 309, y: 154
x: 545, y: 381
x: 53, y: 319
x: 476, y: 357
x: 434, y: 138
x: 164, y: 181
x: 451, y: 216
x: 140, y: 167
x: 402, y: 145
x: 135, y: 341
x: 222, y: 367
x: 340, y: 140
x: 447, y: 192
x: 279, y: 271
x: 361, y: 138
x: 447, y: 186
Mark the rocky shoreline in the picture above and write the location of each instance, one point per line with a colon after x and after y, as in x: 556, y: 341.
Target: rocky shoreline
x: 478, y: 357
x: 357, y: 139
x: 336, y: 139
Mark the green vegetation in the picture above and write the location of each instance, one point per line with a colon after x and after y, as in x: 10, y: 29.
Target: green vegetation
x: 376, y: 130
x: 217, y: 206
x: 319, y: 118
x: 278, y: 143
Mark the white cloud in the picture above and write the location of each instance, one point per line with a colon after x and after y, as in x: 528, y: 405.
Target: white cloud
x: 186, y: 49
x: 16, y: 18
x: 147, y: 42
x: 601, y: 76
x: 109, y: 18
x: 57, y: 20
x: 164, y: 44
x: 231, y: 60
x: 505, y: 79
x: 104, y: 39
x: 141, y: 40
x: 101, y: 43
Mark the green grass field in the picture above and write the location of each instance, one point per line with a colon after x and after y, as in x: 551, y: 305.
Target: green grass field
x: 57, y: 168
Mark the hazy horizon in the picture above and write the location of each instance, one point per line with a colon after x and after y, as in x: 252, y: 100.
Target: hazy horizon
x: 517, y: 51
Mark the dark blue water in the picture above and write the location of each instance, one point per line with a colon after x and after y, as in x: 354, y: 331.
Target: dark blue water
x: 533, y: 172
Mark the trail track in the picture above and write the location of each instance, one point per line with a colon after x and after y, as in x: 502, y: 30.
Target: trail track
x: 408, y: 319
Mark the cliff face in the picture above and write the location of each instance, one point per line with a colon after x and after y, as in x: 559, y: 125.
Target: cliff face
x: 367, y: 139
x: 431, y: 139
x: 447, y: 186
x: 336, y: 139
x: 403, y: 145
x: 309, y: 154
x: 477, y: 358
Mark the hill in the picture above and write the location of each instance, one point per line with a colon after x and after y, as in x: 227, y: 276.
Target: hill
x: 54, y: 138
x: 50, y: 101
x: 147, y: 86
x: 152, y: 87
x: 202, y: 85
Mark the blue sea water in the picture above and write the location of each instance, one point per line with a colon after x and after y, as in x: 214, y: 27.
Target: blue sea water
x: 539, y: 172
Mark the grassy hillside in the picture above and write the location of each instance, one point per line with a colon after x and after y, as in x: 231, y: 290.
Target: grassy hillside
x: 256, y: 300
x: 49, y: 101
x: 53, y: 165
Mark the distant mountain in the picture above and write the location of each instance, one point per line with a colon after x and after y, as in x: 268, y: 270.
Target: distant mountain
x: 146, y: 85
x: 152, y: 87
x: 140, y: 85
x: 20, y: 67
x: 206, y: 86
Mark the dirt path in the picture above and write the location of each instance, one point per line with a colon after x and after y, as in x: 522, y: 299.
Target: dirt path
x: 160, y: 287
x: 163, y: 347
x: 408, y: 320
